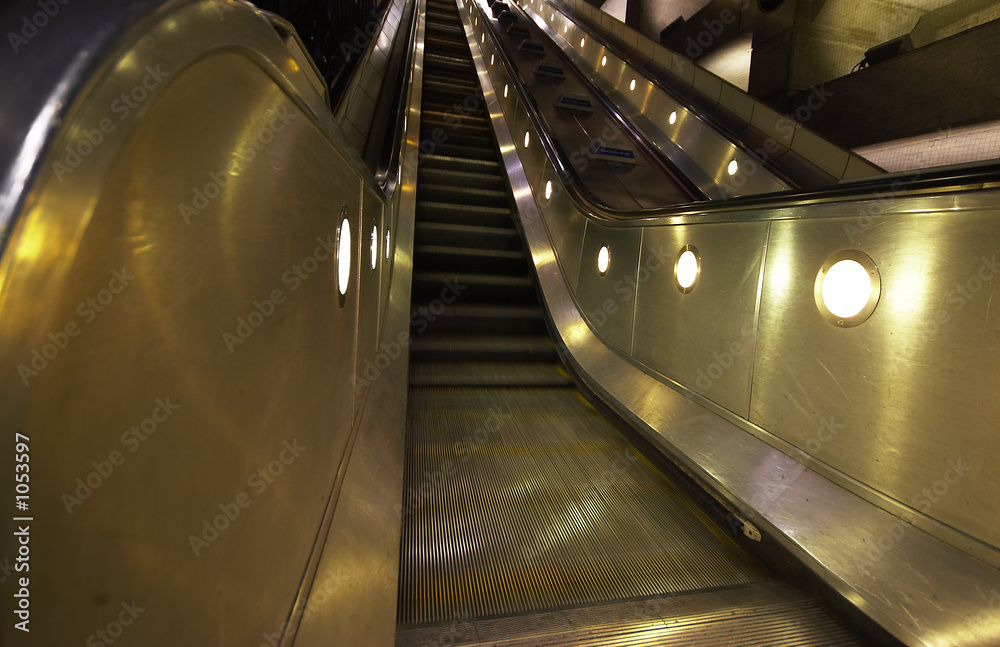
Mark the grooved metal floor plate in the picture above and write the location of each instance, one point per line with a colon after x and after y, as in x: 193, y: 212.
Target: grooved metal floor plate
x: 521, y: 499
x: 744, y: 615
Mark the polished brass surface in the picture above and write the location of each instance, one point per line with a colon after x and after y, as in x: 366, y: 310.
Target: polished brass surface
x: 608, y: 300
x: 193, y: 416
x: 853, y: 397
x: 691, y: 337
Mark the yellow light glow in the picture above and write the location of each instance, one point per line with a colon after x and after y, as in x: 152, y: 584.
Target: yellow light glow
x: 548, y: 189
x: 733, y: 167
x: 687, y: 269
x: 344, y: 257
x: 673, y: 117
x: 603, y: 259
x: 846, y: 288
x: 604, y: 61
x: 527, y: 139
x: 631, y: 86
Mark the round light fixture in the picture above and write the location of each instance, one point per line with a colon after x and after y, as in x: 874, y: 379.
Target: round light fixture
x: 344, y: 255
x: 374, y: 246
x: 673, y: 117
x: 847, y: 288
x: 733, y: 167
x: 603, y: 260
x: 687, y: 269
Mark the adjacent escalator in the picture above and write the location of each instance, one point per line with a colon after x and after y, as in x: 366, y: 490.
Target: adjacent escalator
x: 526, y: 512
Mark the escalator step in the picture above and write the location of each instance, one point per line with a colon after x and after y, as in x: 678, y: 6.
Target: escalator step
x: 505, y: 348
x: 495, y: 238
x: 486, y: 319
x: 470, y: 259
x: 461, y: 163
x: 463, y: 214
x: 463, y: 195
x: 473, y: 288
x: 490, y: 181
x: 506, y: 374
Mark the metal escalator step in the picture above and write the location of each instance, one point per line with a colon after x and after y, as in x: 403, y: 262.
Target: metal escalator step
x: 452, y: 148
x: 436, y: 175
x: 504, y: 348
x: 462, y: 164
x: 473, y: 288
x: 486, y: 319
x: 442, y: 28
x: 476, y: 120
x: 452, y: 127
x: 751, y: 615
x: 444, y: 258
x: 463, y: 214
x: 497, y: 238
x: 461, y: 116
x: 506, y: 374
x: 463, y: 195
x: 456, y: 137
x: 456, y: 62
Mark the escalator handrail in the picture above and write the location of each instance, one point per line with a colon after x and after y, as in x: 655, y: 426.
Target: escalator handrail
x: 654, y: 76
x: 761, y: 206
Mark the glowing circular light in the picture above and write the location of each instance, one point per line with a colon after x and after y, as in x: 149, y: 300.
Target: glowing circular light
x: 505, y: 91
x: 631, y: 86
x: 548, y: 190
x: 387, y: 247
x: 344, y: 257
x: 687, y: 269
x: 847, y: 287
x: 733, y: 167
x: 673, y: 117
x: 583, y: 41
x: 552, y: 17
x: 483, y: 39
x: 604, y: 61
x: 492, y: 58
x: 527, y: 138
x: 603, y: 260
x: 374, y: 246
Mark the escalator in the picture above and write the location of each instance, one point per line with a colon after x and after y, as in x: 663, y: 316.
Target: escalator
x: 528, y: 516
